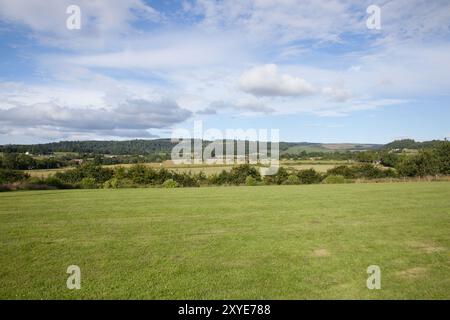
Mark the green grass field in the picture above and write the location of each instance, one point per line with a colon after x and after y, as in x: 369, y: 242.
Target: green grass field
x: 274, y: 242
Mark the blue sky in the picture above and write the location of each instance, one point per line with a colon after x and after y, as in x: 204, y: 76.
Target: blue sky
x: 141, y: 69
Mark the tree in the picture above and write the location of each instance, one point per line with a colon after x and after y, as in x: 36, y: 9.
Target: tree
x: 389, y: 159
x: 18, y: 161
x: 9, y: 176
x: 427, y: 163
x: 443, y: 156
x: 407, y: 167
x: 309, y: 176
x: 239, y: 174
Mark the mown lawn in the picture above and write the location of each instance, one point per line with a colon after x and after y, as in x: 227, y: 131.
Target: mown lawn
x: 274, y: 242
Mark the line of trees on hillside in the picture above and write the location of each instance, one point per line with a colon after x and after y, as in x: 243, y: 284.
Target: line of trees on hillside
x: 22, y: 161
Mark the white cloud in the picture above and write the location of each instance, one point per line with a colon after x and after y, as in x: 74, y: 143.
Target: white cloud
x: 267, y: 81
x: 252, y: 106
x: 201, y: 57
x: 281, y: 21
x: 129, y: 119
x: 337, y: 94
x: 102, y: 22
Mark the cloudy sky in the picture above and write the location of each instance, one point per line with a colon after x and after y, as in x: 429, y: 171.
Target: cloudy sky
x: 140, y: 69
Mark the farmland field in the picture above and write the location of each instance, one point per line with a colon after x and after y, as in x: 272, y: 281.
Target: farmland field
x: 271, y: 242
x: 320, y: 166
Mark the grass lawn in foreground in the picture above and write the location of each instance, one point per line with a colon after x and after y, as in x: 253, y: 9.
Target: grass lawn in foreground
x: 272, y: 242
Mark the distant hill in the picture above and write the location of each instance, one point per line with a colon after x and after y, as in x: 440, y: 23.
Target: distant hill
x: 154, y: 146
x: 133, y: 147
x: 410, y: 144
x: 158, y: 146
x: 297, y: 147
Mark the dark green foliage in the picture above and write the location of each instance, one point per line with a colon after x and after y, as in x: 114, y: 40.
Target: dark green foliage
x: 424, y: 164
x: 292, y: 179
x: 89, y: 170
x: 21, y: 161
x: 309, y: 176
x: 345, y: 171
x: 366, y: 157
x: 407, y: 167
x: 96, y: 147
x: 17, y: 161
x: 279, y: 178
x: 389, y: 159
x: 10, y: 176
x: 51, y: 181
x: 366, y: 170
x: 239, y: 174
x: 443, y: 155
x: 411, y: 144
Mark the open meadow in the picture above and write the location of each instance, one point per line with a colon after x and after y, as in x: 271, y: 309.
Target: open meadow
x: 209, y: 169
x: 268, y: 242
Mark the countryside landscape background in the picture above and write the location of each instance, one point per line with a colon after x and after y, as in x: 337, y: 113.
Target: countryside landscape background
x: 356, y: 90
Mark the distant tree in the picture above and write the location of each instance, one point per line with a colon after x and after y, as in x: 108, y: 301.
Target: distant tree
x: 389, y: 159
x: 407, y: 167
x: 239, y: 174
x: 366, y: 157
x: 344, y: 171
x: 427, y: 163
x: 18, y: 161
x: 443, y: 156
x: 309, y: 176
x: 9, y: 176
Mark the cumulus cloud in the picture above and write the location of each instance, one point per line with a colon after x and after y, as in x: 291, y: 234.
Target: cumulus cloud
x: 267, y: 81
x: 129, y: 119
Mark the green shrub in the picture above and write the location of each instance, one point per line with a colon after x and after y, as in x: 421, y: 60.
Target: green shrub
x: 170, y: 183
x: 334, y: 179
x: 88, y: 170
x: 88, y: 183
x: 9, y: 176
x: 50, y: 181
x: 344, y: 171
x: 309, y: 176
x: 111, y: 184
x: 239, y: 174
x: 278, y: 178
x: 250, y: 181
x: 292, y: 179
